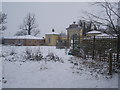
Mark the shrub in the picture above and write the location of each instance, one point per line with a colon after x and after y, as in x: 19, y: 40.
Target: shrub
x: 33, y: 55
x: 95, y: 67
x: 53, y: 57
x: 12, y: 52
x: 28, y: 53
x: 37, y: 55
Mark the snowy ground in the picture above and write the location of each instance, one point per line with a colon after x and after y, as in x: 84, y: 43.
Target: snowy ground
x: 49, y: 74
x: 0, y: 67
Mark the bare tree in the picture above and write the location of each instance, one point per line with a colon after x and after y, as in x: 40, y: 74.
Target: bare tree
x: 36, y: 32
x: 3, y: 21
x: 29, y: 25
x: 109, y: 19
x: 21, y: 33
x: 87, y: 26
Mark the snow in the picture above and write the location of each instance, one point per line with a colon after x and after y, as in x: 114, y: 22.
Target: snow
x: 114, y: 34
x: 49, y: 74
x: 23, y: 37
x: 53, y: 33
x: 94, y: 32
x: 104, y: 34
x: 0, y: 67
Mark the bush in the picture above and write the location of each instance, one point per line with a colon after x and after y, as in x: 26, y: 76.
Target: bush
x: 93, y: 66
x: 12, y: 52
x: 53, y: 57
x: 28, y: 53
x: 35, y: 55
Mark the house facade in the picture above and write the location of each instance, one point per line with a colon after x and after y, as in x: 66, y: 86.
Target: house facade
x: 74, y: 30
x: 26, y: 40
x: 51, y: 38
x: 62, y: 41
x: 55, y: 39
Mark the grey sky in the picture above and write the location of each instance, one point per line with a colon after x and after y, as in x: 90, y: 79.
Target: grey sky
x: 48, y: 14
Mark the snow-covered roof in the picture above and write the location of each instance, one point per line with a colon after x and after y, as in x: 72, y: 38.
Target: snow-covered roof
x: 23, y: 37
x: 104, y: 34
x: 94, y: 32
x: 54, y: 33
x: 114, y: 34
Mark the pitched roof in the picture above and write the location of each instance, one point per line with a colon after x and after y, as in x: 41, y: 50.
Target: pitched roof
x: 23, y: 37
x: 73, y: 26
x: 103, y: 34
x: 94, y: 32
x: 53, y: 33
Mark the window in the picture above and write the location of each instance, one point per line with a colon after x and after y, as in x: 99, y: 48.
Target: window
x: 29, y: 41
x: 49, y: 40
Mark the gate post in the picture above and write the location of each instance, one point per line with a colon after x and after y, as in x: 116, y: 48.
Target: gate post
x: 118, y: 49
x: 93, y: 55
x: 110, y: 62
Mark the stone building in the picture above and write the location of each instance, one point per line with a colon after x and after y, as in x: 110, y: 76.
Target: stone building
x: 51, y: 38
x: 27, y: 40
x: 62, y: 41
x: 74, y: 30
x: 54, y: 39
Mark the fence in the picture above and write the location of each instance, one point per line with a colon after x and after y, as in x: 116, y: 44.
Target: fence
x: 98, y: 48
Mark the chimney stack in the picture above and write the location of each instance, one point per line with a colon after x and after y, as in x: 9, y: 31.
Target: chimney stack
x: 53, y: 30
x: 74, y: 22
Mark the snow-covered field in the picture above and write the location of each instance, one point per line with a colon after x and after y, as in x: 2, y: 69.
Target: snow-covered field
x: 0, y: 67
x: 19, y: 73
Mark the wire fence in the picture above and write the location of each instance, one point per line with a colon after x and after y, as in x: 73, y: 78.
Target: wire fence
x: 98, y: 48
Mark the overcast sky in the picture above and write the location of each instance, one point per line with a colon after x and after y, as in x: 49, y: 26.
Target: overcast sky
x: 48, y: 14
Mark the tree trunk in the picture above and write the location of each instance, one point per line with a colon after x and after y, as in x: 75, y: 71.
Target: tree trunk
x: 29, y: 33
x: 29, y: 30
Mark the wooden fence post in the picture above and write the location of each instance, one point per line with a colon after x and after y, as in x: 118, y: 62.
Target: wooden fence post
x: 93, y: 55
x: 118, y: 49
x: 110, y: 62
